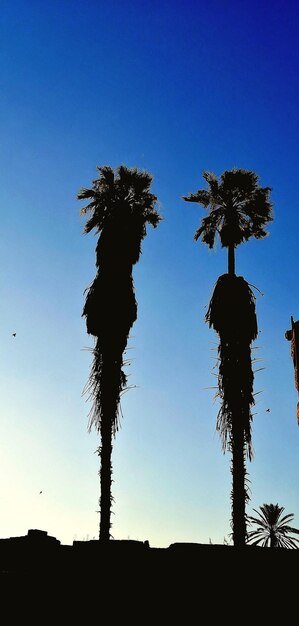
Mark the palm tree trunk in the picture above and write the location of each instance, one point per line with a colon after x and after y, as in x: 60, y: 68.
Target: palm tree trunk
x: 111, y: 381
x: 238, y: 470
x: 105, y: 452
x: 273, y: 542
x: 231, y: 259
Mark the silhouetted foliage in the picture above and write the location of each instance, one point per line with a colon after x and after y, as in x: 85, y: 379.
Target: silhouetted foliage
x: 231, y: 313
x: 238, y: 209
x: 121, y: 206
x: 272, y: 529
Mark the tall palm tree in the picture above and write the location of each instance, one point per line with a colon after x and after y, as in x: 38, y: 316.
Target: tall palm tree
x: 271, y: 529
x: 121, y: 205
x: 238, y: 209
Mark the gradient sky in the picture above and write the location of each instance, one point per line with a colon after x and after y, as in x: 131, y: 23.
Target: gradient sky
x: 174, y: 87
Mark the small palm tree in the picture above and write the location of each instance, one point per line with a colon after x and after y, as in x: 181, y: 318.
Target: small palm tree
x: 238, y: 209
x: 271, y: 529
x: 121, y: 206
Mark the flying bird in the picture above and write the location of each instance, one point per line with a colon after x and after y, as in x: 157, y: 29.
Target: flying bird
x: 14, y: 334
x: 267, y: 410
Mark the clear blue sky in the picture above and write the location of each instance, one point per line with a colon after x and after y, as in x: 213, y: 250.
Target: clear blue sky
x: 175, y: 87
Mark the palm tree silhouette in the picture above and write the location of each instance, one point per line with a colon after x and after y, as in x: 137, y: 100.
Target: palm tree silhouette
x: 121, y: 206
x: 271, y: 529
x: 238, y: 209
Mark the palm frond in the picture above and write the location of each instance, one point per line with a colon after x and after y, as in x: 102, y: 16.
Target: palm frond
x: 202, y: 196
x: 107, y: 175
x: 84, y: 193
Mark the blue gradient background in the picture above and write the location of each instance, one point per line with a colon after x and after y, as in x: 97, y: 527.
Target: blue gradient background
x: 175, y: 88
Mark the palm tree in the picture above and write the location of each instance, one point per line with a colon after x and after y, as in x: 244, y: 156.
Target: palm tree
x: 271, y: 529
x: 238, y: 209
x: 121, y: 205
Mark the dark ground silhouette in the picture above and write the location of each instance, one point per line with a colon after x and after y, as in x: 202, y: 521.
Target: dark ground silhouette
x: 133, y: 580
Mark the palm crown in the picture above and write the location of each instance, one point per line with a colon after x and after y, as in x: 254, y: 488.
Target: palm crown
x: 121, y: 205
x: 272, y: 529
x: 238, y: 207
